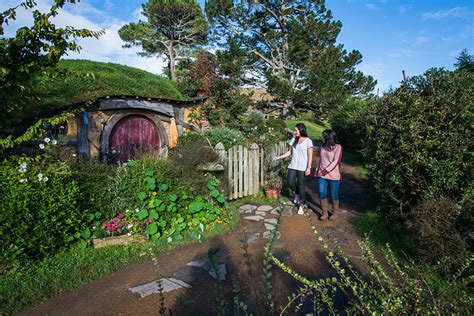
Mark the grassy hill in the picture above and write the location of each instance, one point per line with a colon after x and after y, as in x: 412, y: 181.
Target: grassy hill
x: 91, y: 79
x: 314, y: 129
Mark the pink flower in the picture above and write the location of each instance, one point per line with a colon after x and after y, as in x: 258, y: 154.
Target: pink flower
x: 152, y: 219
x: 119, y: 225
x: 104, y: 224
x: 111, y: 228
x: 147, y: 222
x: 125, y: 222
x: 120, y: 216
x: 133, y: 223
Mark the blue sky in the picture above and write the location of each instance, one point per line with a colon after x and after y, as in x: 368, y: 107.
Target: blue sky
x: 392, y: 35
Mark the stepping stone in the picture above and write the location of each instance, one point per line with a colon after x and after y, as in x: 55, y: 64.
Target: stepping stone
x: 253, y: 239
x: 247, y: 207
x: 253, y: 231
x: 268, y: 233
x: 168, y: 285
x: 269, y: 226
x: 261, y: 213
x: 202, y: 263
x: 275, y: 211
x: 265, y: 208
x: 271, y: 220
x: 222, y: 272
x: 248, y: 212
x: 255, y: 218
x: 188, y: 274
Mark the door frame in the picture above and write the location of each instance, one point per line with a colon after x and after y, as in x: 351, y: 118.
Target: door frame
x: 117, y: 117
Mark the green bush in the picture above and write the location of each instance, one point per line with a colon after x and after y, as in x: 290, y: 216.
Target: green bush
x: 420, y: 140
x: 39, y: 209
x: 349, y: 122
x: 228, y: 137
x: 437, y: 235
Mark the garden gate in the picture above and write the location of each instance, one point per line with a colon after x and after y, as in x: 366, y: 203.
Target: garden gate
x: 245, y: 171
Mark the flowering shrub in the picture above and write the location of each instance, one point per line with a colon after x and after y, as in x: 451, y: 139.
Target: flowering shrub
x: 228, y: 137
x: 39, y: 208
x: 168, y: 212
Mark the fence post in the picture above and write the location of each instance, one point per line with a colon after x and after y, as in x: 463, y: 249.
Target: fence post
x: 221, y: 152
x: 246, y: 172
x: 253, y: 165
x: 241, y: 169
x: 236, y: 173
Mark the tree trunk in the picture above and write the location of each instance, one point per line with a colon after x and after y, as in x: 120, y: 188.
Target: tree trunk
x: 288, y: 112
x: 171, y: 62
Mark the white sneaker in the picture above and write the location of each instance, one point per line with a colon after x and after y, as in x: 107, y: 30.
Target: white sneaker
x: 301, y: 210
x: 296, y: 200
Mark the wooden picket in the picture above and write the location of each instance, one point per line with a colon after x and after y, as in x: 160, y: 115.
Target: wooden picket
x: 245, y: 170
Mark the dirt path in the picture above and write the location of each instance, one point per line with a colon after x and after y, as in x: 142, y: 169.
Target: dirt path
x: 297, y: 247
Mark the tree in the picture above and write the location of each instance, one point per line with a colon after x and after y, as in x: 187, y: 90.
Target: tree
x: 293, y: 45
x: 465, y: 61
x: 172, y: 27
x: 32, y: 51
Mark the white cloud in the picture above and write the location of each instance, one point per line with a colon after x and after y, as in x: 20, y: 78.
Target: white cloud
x: 108, y: 48
x: 371, y: 6
x: 401, y: 53
x: 421, y: 40
x: 456, y: 12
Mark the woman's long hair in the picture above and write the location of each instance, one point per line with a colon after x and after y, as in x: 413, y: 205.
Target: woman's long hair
x: 329, y: 139
x: 302, y: 129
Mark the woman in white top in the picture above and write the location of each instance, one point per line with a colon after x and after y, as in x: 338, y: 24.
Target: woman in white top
x: 301, y: 152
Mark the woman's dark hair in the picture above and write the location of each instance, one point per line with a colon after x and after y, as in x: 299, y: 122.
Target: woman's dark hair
x: 302, y: 129
x: 329, y: 139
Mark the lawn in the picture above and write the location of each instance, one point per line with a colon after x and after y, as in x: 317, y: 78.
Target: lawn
x: 314, y: 128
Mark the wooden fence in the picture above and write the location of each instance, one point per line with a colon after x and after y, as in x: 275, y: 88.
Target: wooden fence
x: 245, y: 167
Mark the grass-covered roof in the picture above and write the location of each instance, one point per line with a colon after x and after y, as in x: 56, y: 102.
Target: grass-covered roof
x: 96, y: 79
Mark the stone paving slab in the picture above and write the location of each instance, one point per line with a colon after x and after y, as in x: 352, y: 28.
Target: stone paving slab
x: 265, y: 208
x: 222, y: 272
x: 203, y: 263
x: 247, y: 207
x: 269, y: 226
x: 261, y: 213
x: 168, y: 285
x: 271, y: 220
x: 188, y: 274
x: 268, y: 233
x: 255, y: 218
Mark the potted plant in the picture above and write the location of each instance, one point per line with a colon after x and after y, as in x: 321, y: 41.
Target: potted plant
x: 272, y: 183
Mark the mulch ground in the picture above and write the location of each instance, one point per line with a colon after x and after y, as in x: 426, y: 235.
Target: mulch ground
x: 298, y: 248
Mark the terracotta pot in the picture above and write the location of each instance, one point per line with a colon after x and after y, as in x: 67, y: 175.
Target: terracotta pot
x: 272, y: 193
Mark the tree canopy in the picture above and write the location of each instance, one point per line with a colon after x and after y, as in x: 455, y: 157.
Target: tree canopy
x: 292, y: 48
x: 171, y: 28
x: 33, y: 50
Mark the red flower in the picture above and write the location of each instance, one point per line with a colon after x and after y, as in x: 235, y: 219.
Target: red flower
x: 104, y: 224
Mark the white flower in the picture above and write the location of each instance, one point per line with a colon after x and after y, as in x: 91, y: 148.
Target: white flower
x: 137, y: 210
x: 169, y: 239
x: 45, y: 179
x: 129, y: 226
x: 40, y: 176
x: 23, y: 165
x: 47, y: 140
x: 127, y: 211
x: 23, y: 180
x: 41, y: 146
x: 54, y: 142
x: 129, y: 234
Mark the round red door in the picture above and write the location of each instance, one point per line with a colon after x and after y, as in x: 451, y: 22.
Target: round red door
x: 132, y: 135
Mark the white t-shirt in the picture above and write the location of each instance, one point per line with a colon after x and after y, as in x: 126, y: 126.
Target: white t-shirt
x: 299, y: 154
